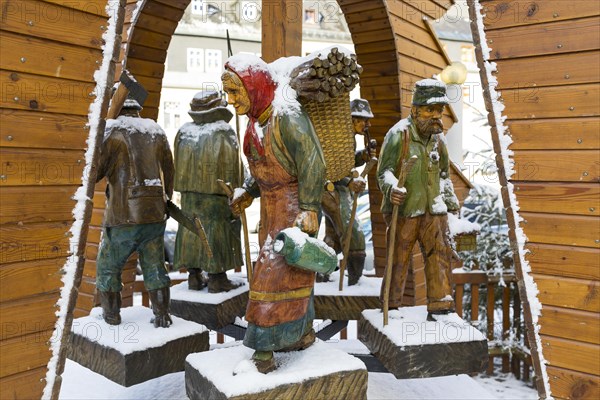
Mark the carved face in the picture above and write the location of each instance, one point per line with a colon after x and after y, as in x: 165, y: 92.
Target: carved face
x: 428, y: 119
x: 360, y: 124
x: 236, y: 93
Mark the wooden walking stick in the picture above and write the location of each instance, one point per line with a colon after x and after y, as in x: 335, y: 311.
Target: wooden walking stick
x: 229, y: 191
x: 405, y: 167
x: 348, y: 235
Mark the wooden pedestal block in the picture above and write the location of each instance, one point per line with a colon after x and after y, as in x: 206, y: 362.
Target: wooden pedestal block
x: 318, y: 372
x: 215, y: 311
x: 348, y: 304
x: 412, y: 347
x: 134, y: 351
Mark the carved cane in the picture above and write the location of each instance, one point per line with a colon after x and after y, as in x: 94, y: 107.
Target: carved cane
x: 229, y: 192
x: 348, y: 235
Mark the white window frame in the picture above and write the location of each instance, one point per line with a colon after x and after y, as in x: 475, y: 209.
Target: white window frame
x: 213, y: 56
x: 195, y: 59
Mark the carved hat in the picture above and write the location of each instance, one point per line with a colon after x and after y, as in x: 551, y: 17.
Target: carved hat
x: 429, y: 91
x: 206, y: 100
x: 130, y: 102
x: 360, y: 108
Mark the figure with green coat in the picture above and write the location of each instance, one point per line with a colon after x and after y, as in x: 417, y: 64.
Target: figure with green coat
x: 425, y: 198
x: 207, y: 150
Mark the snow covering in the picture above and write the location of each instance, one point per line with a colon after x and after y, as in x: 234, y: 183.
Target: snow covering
x: 439, y: 207
x: 362, y: 114
x: 505, y: 140
x: 181, y: 292
x: 459, y: 226
x: 219, y: 366
x: 135, y: 333
x: 193, y: 131
x: 401, y: 125
x: 408, y: 326
x: 141, y: 125
x: 430, y: 82
x: 81, y: 197
x: 366, y: 286
x: 152, y: 182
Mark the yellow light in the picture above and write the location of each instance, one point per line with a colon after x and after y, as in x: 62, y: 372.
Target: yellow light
x: 454, y: 74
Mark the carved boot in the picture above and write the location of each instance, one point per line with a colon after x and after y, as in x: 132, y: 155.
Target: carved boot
x: 356, y: 264
x: 196, y: 280
x: 264, y: 361
x: 111, y: 307
x: 160, y: 299
x: 432, y: 315
x: 219, y: 282
x: 322, y: 277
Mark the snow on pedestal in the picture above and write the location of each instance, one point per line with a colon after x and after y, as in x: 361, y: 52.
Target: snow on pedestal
x: 214, y: 310
x: 319, y: 372
x: 412, y: 347
x: 134, y: 351
x: 336, y: 305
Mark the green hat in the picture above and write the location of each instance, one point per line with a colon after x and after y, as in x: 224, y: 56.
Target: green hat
x: 429, y: 91
x: 360, y: 108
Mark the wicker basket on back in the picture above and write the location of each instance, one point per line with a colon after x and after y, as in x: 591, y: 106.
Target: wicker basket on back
x: 323, y: 86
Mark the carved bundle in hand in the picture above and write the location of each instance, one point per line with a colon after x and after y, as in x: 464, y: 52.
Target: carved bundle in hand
x: 326, y: 77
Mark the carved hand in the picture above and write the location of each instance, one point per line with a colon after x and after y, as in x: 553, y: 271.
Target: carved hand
x: 357, y: 185
x: 307, y: 221
x: 240, y: 201
x: 397, y: 195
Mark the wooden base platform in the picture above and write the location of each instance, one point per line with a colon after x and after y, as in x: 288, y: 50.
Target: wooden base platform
x: 134, y: 351
x: 215, y: 311
x: 229, y: 373
x: 412, y: 347
x: 348, y: 304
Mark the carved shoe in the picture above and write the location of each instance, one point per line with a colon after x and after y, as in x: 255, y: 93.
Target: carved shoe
x: 322, y: 277
x: 161, y: 299
x: 196, y: 280
x: 111, y: 307
x: 219, y: 282
x: 264, y: 361
x: 431, y: 315
x: 356, y: 264
x: 304, y: 343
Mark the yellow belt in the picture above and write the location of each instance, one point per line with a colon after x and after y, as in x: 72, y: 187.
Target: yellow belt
x: 279, y: 296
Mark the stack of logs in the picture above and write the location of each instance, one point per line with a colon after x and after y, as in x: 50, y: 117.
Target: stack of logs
x: 323, y: 78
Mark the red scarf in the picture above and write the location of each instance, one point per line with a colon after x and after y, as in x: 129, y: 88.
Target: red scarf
x: 261, y: 92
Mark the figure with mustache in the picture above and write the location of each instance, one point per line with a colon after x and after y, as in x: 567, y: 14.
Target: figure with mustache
x: 424, y: 200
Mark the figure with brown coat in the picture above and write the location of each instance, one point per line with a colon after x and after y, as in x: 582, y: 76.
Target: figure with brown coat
x: 137, y: 163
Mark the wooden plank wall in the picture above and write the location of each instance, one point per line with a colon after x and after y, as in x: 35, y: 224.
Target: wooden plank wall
x: 396, y: 48
x: 50, y: 50
x: 144, y: 56
x: 548, y: 58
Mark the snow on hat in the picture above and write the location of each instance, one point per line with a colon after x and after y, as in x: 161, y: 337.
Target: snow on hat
x: 360, y: 108
x: 429, y: 91
x: 130, y: 102
x: 206, y: 100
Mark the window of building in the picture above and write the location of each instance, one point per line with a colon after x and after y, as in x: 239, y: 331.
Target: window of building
x: 198, y: 7
x: 172, y: 118
x: 467, y: 54
x: 214, y: 60
x: 195, y: 59
x: 310, y: 16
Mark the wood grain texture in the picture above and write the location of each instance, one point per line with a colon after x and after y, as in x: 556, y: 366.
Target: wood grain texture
x: 28, y: 204
x: 570, y: 324
x: 27, y: 315
x: 340, y: 385
x: 567, y: 261
x: 26, y: 167
x: 44, y: 130
x: 571, y: 293
x: 126, y: 369
x: 22, y: 91
x: 344, y: 308
x: 559, y: 198
x: 570, y: 354
x: 510, y: 13
x: 569, y: 384
x: 22, y: 280
x: 427, y: 360
x: 25, y: 385
x: 548, y: 38
x: 570, y: 230
x: 34, y: 242
x: 213, y: 316
x: 555, y: 134
x: 25, y: 352
x: 554, y: 70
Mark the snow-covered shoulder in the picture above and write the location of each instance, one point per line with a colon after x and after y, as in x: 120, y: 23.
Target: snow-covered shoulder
x: 192, y: 130
x: 142, y: 125
x: 401, y: 125
x: 460, y: 226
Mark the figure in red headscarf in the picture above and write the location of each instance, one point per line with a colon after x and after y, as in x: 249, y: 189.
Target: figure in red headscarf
x: 288, y: 171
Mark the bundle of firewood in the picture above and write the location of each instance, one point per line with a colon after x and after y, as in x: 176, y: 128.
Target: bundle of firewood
x: 326, y: 77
